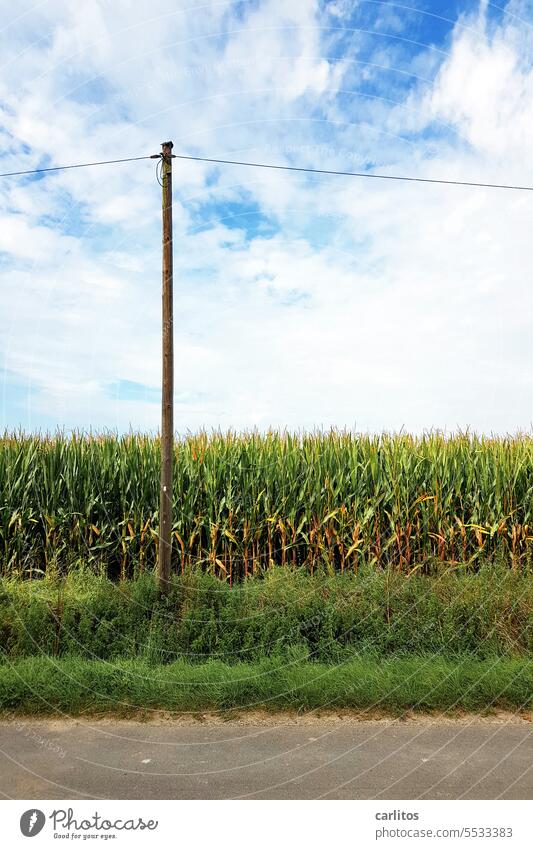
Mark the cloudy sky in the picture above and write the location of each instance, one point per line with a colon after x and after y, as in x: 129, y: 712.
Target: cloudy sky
x: 300, y: 301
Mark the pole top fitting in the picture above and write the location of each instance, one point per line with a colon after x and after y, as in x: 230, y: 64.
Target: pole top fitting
x: 168, y: 144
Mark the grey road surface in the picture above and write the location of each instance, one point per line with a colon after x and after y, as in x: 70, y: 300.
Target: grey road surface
x: 267, y: 758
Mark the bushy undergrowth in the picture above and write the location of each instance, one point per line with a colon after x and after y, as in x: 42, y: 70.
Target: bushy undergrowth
x: 286, y: 613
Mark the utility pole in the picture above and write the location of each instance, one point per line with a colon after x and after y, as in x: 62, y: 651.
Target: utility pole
x: 167, y: 399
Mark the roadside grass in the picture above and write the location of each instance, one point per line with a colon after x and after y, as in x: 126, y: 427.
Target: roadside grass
x: 328, y: 618
x: 41, y: 685
x: 459, y: 639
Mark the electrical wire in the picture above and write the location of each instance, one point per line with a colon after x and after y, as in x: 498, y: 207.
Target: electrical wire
x: 355, y: 173
x: 278, y: 168
x: 159, y: 171
x: 80, y: 165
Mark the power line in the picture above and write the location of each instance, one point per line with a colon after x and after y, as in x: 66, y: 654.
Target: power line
x: 80, y: 165
x: 357, y: 174
x: 279, y: 168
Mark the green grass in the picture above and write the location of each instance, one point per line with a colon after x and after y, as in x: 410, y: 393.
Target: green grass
x: 455, y: 639
x: 245, y: 502
x: 326, y: 618
x: 75, y: 685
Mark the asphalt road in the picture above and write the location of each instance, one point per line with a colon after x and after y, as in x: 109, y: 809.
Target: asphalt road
x: 265, y: 758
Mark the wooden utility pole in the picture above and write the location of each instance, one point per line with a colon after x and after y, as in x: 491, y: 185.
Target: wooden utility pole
x: 167, y: 401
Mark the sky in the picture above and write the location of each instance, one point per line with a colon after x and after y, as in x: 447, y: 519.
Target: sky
x: 300, y: 301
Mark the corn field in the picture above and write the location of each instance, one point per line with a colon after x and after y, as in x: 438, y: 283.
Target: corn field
x: 330, y: 500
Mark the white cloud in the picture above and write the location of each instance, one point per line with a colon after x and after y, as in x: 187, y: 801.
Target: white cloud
x: 374, y: 304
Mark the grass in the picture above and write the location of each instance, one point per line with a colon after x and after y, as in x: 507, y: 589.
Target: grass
x: 75, y: 685
x: 326, y: 618
x: 243, y: 503
x: 378, y: 639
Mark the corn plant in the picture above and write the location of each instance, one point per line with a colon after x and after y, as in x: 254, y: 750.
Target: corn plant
x: 243, y: 502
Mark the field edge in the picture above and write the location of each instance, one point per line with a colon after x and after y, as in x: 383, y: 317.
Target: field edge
x: 43, y: 685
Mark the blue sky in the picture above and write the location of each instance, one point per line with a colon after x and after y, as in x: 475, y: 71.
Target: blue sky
x: 300, y: 301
